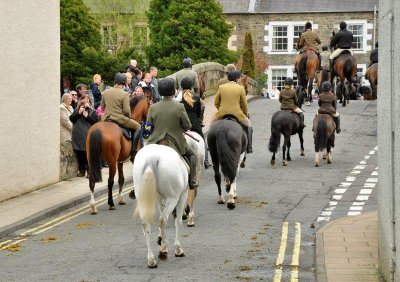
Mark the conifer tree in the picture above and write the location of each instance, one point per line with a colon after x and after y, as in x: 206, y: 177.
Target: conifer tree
x: 248, y: 66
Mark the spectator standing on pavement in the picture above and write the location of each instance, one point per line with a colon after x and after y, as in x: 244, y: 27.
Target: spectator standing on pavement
x: 154, y: 81
x: 74, y: 97
x: 81, y: 90
x: 96, y: 90
x: 65, y: 112
x: 83, y: 117
x: 264, y: 93
x: 147, y: 83
x: 274, y: 92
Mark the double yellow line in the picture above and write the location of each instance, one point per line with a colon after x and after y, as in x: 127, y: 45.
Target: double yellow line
x: 294, y: 266
x: 57, y: 221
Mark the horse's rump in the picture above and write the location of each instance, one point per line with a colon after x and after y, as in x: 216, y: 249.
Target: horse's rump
x: 227, y: 140
x: 323, y: 127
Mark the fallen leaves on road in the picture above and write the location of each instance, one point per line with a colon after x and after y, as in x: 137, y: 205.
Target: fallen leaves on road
x: 84, y: 225
x: 13, y: 248
x: 48, y: 239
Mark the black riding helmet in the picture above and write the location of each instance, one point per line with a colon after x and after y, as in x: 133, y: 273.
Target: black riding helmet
x: 289, y: 81
x: 308, y: 25
x: 166, y: 87
x: 233, y: 75
x: 120, y: 78
x: 187, y: 62
x: 343, y: 25
x: 186, y: 83
x: 326, y: 86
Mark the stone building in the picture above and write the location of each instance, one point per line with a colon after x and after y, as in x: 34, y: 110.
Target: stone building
x: 275, y: 26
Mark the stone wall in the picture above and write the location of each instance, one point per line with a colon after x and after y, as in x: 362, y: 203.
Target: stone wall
x: 29, y: 87
x: 68, y: 161
x: 213, y: 72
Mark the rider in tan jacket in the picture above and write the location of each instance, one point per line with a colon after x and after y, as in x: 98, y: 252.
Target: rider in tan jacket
x: 309, y: 40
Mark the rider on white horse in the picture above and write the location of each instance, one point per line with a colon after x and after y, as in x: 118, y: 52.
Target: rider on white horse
x: 166, y: 122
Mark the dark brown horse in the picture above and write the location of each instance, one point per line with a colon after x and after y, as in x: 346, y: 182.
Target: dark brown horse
x: 288, y: 124
x: 306, y: 65
x: 324, y: 136
x: 322, y: 76
x: 345, y: 68
x: 202, y: 85
x: 106, y: 140
x: 372, y: 76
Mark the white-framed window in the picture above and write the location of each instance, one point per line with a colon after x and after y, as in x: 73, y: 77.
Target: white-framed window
x: 361, y: 70
x: 277, y: 76
x: 282, y: 37
x: 109, y: 37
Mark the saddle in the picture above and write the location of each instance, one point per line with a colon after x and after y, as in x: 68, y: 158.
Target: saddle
x: 125, y: 132
x: 344, y: 52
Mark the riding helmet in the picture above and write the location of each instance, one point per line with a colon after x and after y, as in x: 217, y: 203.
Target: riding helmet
x: 186, y: 83
x: 166, y: 87
x: 326, y: 86
x: 289, y: 81
x: 308, y: 25
x: 187, y: 62
x: 120, y: 78
x: 233, y: 75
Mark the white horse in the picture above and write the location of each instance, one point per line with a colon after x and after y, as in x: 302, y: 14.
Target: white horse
x: 196, y: 144
x: 161, y: 181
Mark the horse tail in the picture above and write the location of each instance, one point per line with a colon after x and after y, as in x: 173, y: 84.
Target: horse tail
x: 321, y: 138
x: 348, y: 70
x: 147, y: 197
x: 324, y: 75
x: 226, y: 155
x: 275, y: 139
x: 95, y: 155
x: 303, y: 65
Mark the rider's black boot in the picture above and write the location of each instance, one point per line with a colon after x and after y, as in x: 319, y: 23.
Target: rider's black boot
x: 134, y: 140
x: 202, y: 110
x: 331, y: 65
x: 249, y: 133
x: 337, y: 122
x: 301, y: 115
x: 319, y: 58
x: 207, y: 163
x: 193, y: 184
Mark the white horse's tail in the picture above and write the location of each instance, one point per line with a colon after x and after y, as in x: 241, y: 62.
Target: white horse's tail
x: 146, y: 199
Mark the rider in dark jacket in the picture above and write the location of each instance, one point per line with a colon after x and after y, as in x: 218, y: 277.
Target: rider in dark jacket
x: 327, y: 103
x: 374, y: 55
x: 342, y: 40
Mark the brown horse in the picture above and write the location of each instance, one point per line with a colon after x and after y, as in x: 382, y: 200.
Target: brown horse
x: 345, y: 68
x: 324, y: 136
x: 372, y: 76
x: 322, y: 76
x: 306, y: 65
x: 202, y: 85
x: 106, y: 140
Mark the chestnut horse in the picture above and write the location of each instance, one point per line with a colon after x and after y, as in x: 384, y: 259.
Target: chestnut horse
x: 322, y: 76
x: 306, y: 65
x: 324, y: 136
x: 372, y: 76
x: 345, y: 68
x: 106, y: 140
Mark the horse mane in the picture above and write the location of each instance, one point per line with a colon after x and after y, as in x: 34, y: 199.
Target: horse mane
x: 135, y: 100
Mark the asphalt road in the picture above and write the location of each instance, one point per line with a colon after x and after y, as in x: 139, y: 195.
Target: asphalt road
x: 269, y: 235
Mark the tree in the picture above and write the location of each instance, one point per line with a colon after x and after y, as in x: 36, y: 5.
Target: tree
x: 187, y: 28
x: 248, y: 65
x: 79, y: 30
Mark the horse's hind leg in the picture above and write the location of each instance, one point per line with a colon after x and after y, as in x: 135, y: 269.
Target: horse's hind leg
x: 301, y: 142
x: 288, y: 151
x: 217, y: 177
x: 151, y: 260
x: 329, y: 153
x: 121, y: 180
x: 178, y: 223
x: 272, y: 162
x: 112, y: 169
x: 190, y: 202
x: 285, y: 144
x: 92, y: 202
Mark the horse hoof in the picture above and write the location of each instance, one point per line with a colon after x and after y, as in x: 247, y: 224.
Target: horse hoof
x: 231, y: 206
x: 302, y: 154
x: 132, y: 195
x: 242, y: 165
x: 179, y: 255
x: 235, y: 197
x: 122, y: 203
x: 272, y: 163
x: 316, y: 165
x: 111, y: 208
x: 184, y: 216
x: 284, y: 163
x: 152, y: 264
x: 190, y: 225
x: 93, y: 212
x: 221, y: 202
x: 159, y: 241
x: 289, y: 159
x: 329, y: 162
x: 163, y: 255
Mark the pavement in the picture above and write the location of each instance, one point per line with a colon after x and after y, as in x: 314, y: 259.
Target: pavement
x: 346, y: 249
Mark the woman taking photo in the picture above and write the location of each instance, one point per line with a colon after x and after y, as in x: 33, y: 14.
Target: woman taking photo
x: 83, y: 117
